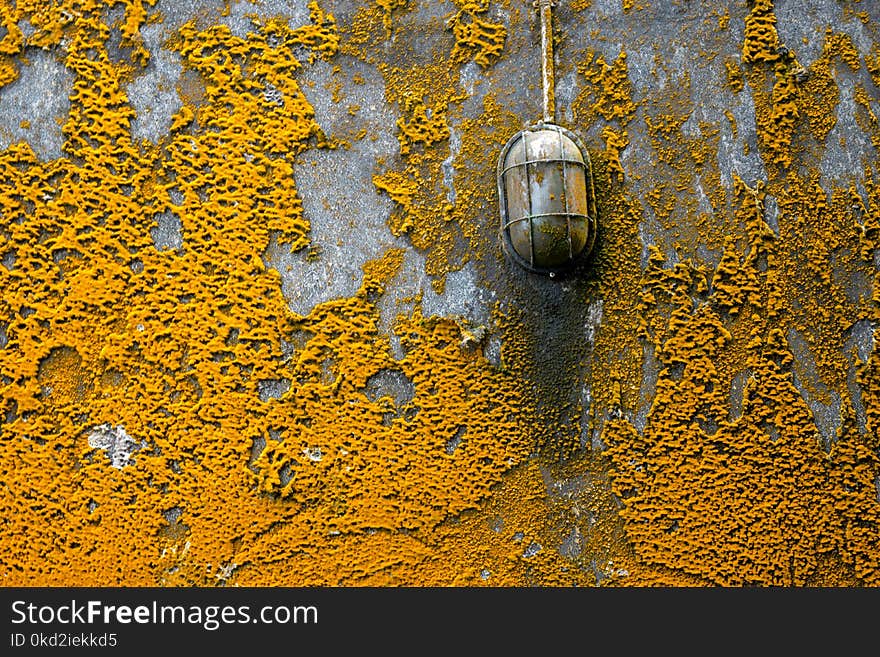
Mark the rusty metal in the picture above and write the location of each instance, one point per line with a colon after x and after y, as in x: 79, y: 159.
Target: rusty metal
x: 545, y: 184
x: 546, y: 7
x: 548, y: 205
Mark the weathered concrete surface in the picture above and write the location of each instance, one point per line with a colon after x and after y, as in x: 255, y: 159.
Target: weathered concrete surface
x: 39, y: 98
x: 675, y: 54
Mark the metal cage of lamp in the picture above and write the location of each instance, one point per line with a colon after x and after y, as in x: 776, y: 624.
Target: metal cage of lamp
x: 545, y: 185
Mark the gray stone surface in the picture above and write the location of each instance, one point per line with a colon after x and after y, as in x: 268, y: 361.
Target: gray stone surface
x: 347, y: 213
x: 153, y: 93
x: 40, y: 97
x: 168, y: 233
x: 116, y: 442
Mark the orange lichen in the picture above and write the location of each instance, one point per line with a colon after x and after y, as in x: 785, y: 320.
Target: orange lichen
x: 865, y: 115
x: 427, y: 96
x: 776, y: 120
x: 168, y: 350
x: 400, y: 188
x: 734, y: 74
x: 735, y: 283
x: 8, y: 73
x: 608, y: 90
x: 732, y: 120
x: 761, y: 40
x: 776, y: 114
x: 423, y: 134
x: 329, y: 469
x: 685, y: 175
x: 388, y: 6
x: 614, y: 143
x: 726, y: 421
x: 797, y: 92
x: 482, y: 138
x: 475, y: 38
x: 422, y: 125
x: 872, y: 63
x: 695, y: 476
x: 12, y: 42
x: 818, y: 95
x: 691, y: 472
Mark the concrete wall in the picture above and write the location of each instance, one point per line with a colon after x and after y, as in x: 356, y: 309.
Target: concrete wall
x: 257, y: 327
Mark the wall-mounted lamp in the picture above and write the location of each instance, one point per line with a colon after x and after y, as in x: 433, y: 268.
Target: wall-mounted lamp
x: 545, y: 184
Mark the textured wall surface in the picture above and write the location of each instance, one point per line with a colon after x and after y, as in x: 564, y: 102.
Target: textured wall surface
x: 256, y: 327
